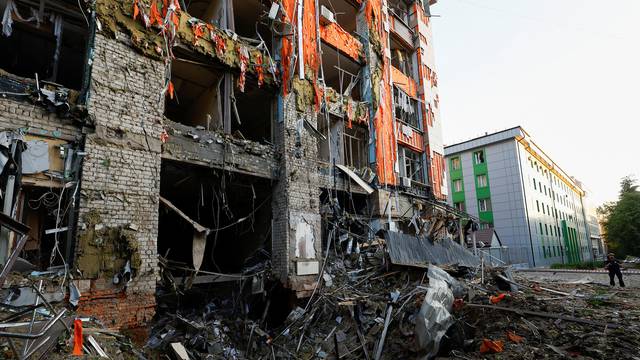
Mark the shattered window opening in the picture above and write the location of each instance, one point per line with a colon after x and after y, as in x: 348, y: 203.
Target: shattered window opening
x: 406, y: 108
x: 198, y: 93
x: 341, y: 73
x: 52, y: 44
x: 250, y: 20
x: 402, y: 58
x: 348, y: 145
x: 344, y: 13
x: 413, y: 168
x: 36, y: 207
x: 478, y: 157
x: 355, y: 147
x: 331, y: 133
x: 400, y: 8
x: 201, y: 100
x: 209, y: 11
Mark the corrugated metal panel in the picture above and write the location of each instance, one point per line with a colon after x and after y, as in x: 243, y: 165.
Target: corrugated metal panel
x: 410, y: 250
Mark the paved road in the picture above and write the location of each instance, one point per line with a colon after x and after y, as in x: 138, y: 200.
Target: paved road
x: 631, y: 280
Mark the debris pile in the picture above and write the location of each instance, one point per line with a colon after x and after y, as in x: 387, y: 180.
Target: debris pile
x: 39, y: 321
x: 37, y: 310
x: 365, y: 307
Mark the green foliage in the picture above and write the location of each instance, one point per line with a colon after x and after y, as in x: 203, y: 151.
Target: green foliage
x: 587, y: 265
x: 622, y: 220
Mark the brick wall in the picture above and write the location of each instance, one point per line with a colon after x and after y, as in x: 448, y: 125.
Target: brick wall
x: 20, y: 114
x: 296, y: 195
x: 121, y: 173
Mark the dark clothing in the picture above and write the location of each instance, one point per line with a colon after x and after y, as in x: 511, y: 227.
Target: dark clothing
x: 614, y: 270
x: 612, y: 276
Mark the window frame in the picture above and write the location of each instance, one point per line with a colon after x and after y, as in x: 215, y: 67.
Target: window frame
x: 485, y: 180
x: 409, y: 165
x: 455, y: 188
x: 486, y: 207
x: 476, y: 158
x: 454, y: 161
x: 411, y: 119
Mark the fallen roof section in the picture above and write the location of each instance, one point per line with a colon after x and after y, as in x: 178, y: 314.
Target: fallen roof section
x: 410, y: 250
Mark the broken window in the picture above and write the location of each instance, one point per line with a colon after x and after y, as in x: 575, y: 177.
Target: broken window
x: 406, y: 108
x: 401, y: 60
x: 43, y: 195
x: 340, y: 73
x: 250, y: 20
x: 209, y: 11
x: 355, y: 142
x: 50, y: 42
x: 36, y: 208
x: 348, y: 145
x: 484, y: 205
x: 198, y: 92
x: 402, y: 57
x: 413, y: 168
x: 201, y: 99
x: 254, y: 113
x: 400, y: 8
x: 247, y: 18
x: 329, y: 147
x: 341, y: 12
x: 478, y: 157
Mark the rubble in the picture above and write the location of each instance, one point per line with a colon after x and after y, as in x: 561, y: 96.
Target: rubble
x: 367, y: 308
x: 364, y: 307
x: 179, y: 180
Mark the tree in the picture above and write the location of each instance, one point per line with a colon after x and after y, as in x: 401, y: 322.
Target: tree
x: 621, y: 220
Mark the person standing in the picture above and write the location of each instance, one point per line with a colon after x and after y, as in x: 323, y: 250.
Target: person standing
x: 613, y: 265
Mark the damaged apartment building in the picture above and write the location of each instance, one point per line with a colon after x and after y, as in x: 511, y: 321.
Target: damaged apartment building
x: 211, y: 140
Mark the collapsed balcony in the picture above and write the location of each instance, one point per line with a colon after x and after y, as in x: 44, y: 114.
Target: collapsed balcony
x: 212, y: 149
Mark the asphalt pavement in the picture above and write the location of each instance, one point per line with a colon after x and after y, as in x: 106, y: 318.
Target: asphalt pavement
x: 631, y: 279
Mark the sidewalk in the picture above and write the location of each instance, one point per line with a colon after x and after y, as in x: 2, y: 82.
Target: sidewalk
x: 598, y: 271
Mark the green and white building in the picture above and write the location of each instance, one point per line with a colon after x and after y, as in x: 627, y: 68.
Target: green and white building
x: 510, y: 184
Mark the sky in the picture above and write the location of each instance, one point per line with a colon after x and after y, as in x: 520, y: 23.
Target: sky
x: 567, y: 71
